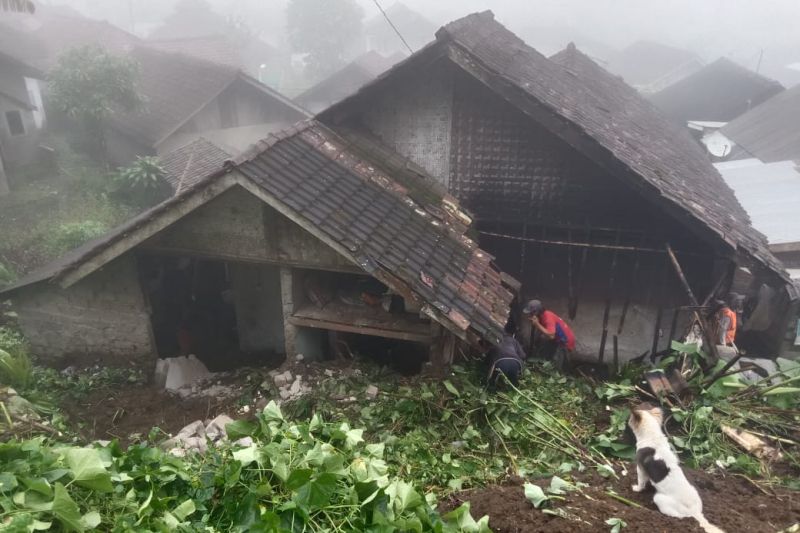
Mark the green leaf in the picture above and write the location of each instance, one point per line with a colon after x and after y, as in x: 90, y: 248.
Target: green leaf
x: 7, y: 482
x: 560, y: 486
x: 353, y: 437
x: 272, y: 411
x: 91, y: 520
x: 298, y: 478
x: 316, y: 493
x: 689, y: 349
x: 240, y: 428
x: 184, y: 510
x: 451, y: 388
x: 66, y: 510
x: 88, y: 470
x: 535, y: 494
x: 616, y: 524
x: 247, y: 455
x: 782, y: 390
x: 39, y: 484
x: 403, y: 496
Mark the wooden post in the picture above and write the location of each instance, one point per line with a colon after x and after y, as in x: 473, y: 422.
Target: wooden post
x: 607, y: 310
x: 616, y: 355
x: 707, y: 337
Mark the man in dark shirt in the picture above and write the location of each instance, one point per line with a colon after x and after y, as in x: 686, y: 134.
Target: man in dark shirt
x: 506, y: 358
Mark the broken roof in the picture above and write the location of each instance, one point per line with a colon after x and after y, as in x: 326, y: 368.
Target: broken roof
x: 177, y: 86
x: 720, y: 91
x: 599, y: 115
x: 310, y: 175
x: 771, y: 131
x: 192, y: 162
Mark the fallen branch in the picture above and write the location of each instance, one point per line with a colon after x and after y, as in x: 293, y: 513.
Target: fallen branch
x: 624, y: 500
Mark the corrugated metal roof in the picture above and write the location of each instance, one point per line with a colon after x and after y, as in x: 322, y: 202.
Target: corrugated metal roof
x: 770, y: 192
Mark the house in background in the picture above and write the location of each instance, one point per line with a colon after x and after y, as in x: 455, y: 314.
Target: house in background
x: 300, y: 245
x: 577, y: 183
x: 650, y: 67
x: 769, y: 132
x: 415, y: 29
x: 253, y: 56
x: 770, y: 193
x: 346, y: 81
x: 22, y: 116
x: 718, y: 92
x: 187, y: 97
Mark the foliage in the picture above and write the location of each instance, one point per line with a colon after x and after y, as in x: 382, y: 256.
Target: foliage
x: 312, y: 476
x: 616, y: 524
x: 142, y: 183
x: 89, y: 84
x: 325, y: 31
x: 7, y: 275
x: 455, y: 434
x: 16, y: 368
x: 72, y: 234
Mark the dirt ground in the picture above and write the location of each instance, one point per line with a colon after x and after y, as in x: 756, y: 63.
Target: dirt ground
x: 731, y: 502
x: 122, y: 412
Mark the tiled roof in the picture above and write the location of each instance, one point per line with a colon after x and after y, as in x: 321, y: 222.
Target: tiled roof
x: 175, y: 86
x: 407, y: 237
x: 192, y: 163
x: 611, y: 119
x: 720, y: 91
x: 383, y: 229
x: 771, y: 131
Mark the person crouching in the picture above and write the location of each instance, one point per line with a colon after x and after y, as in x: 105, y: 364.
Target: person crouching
x: 559, y: 339
x: 506, y: 359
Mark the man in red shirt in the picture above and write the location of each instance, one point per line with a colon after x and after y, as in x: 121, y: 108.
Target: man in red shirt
x: 553, y: 328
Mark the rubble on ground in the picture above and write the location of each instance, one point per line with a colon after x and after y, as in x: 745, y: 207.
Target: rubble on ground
x: 175, y: 373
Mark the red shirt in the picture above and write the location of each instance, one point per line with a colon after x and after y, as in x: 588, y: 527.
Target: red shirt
x: 557, y: 327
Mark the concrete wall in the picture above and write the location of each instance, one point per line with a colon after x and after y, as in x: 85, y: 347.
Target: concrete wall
x: 102, y: 315
x: 237, y: 226
x: 414, y: 117
x: 17, y: 149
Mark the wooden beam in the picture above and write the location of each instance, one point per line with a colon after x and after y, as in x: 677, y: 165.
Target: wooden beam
x: 707, y: 337
x: 361, y: 330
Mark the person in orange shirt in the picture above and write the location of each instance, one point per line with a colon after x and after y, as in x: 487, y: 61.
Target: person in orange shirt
x: 557, y: 334
x: 725, y: 323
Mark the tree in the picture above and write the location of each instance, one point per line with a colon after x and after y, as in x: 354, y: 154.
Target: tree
x: 89, y: 84
x: 327, y: 30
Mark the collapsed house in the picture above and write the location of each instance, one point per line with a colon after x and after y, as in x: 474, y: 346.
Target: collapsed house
x: 580, y: 187
x: 301, y: 245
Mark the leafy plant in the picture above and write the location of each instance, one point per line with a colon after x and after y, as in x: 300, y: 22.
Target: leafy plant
x: 72, y: 234
x: 15, y: 370
x: 616, y: 524
x: 142, y: 183
x: 312, y: 476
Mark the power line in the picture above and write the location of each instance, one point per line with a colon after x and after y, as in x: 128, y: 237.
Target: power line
x: 392, y: 25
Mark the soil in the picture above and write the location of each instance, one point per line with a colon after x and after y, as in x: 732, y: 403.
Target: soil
x: 731, y: 502
x: 125, y: 411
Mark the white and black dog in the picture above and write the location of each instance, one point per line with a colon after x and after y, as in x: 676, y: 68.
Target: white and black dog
x: 657, y: 463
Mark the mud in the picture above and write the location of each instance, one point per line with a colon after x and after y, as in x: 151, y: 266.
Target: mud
x: 731, y: 502
x: 129, y: 411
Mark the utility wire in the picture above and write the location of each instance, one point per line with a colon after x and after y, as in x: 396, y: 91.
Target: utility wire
x: 392, y: 25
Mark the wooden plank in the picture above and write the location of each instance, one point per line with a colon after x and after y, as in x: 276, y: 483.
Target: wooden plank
x: 361, y: 330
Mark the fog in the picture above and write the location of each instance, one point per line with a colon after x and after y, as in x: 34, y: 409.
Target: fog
x: 739, y: 29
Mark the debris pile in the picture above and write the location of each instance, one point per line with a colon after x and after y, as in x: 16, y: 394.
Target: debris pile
x: 197, y: 436
x: 188, y: 377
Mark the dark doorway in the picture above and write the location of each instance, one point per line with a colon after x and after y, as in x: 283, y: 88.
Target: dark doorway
x: 192, y: 307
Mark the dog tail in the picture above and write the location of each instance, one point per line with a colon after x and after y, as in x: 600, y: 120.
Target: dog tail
x: 707, y: 526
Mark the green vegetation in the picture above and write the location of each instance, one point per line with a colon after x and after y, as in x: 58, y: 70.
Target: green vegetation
x: 312, y: 476
x: 89, y: 84
x: 55, y: 204
x: 142, y: 183
x: 16, y: 368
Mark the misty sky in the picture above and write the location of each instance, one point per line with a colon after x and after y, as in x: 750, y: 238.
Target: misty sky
x: 735, y: 28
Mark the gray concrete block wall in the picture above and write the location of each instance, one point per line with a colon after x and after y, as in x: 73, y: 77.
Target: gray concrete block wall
x: 103, y: 314
x: 259, y: 312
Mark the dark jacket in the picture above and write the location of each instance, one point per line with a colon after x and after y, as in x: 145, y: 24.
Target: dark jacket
x: 509, y: 347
